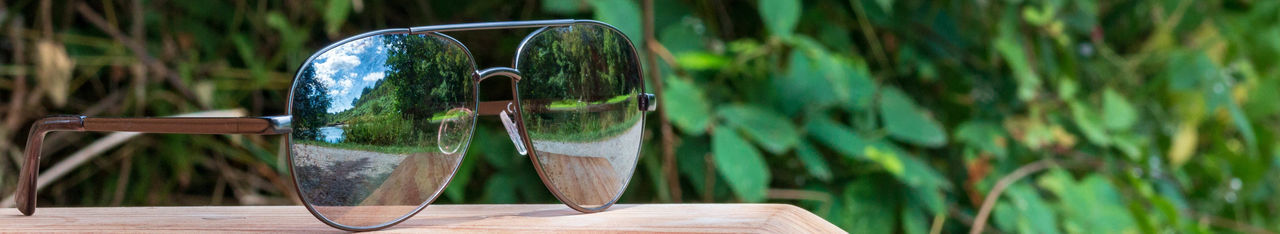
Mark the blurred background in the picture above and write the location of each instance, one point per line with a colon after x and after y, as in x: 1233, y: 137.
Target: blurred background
x: 877, y: 115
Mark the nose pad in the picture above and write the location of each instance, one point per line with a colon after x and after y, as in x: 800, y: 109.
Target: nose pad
x: 452, y: 131
x: 511, y: 128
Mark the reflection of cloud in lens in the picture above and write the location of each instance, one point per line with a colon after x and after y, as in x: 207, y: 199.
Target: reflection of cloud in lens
x: 374, y: 76
x: 344, y: 86
x: 333, y: 63
x: 349, y: 67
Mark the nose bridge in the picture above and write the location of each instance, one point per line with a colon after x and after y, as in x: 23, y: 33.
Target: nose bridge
x: 499, y: 71
x: 510, y: 114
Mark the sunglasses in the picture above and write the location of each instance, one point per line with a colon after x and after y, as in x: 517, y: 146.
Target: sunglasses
x: 378, y: 123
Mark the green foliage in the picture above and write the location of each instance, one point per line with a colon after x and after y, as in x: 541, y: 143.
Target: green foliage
x: 780, y: 16
x: 905, y: 121
x: 688, y: 107
x: 771, y: 130
x: 741, y: 164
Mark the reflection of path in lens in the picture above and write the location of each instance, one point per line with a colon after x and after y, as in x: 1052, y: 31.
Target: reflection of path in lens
x: 323, y: 157
x: 623, y: 145
x: 590, y: 174
x: 407, y: 181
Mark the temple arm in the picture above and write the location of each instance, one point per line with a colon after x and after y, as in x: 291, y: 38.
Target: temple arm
x: 26, y: 193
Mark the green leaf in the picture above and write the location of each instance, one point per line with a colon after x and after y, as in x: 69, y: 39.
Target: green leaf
x: 829, y: 75
x: 1023, y: 210
x: 701, y: 61
x: 335, y: 14
x: 1067, y: 89
x: 1013, y: 53
x: 917, y: 173
x: 780, y: 16
x: 804, y: 85
x: 888, y: 160
x: 771, y: 130
x: 692, y: 155
x: 740, y: 164
x: 1117, y: 111
x: 687, y: 36
x: 1189, y: 70
x: 686, y: 106
x: 813, y: 162
x: 1092, y: 205
x: 885, y: 5
x: 1129, y: 145
x: 498, y: 189
x: 563, y: 7
x: 870, y: 207
x: 913, y: 172
x: 624, y: 14
x: 908, y: 123
x: 837, y: 137
x: 1242, y: 124
x: 1089, y: 124
x: 984, y: 135
x: 914, y: 221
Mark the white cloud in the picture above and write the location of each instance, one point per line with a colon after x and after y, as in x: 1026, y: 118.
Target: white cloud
x: 332, y: 64
x: 342, y: 58
x: 344, y: 86
x: 374, y: 76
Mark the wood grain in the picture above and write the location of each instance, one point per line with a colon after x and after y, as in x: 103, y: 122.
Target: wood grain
x: 733, y: 218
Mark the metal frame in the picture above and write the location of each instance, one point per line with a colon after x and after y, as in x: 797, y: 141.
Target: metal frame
x: 275, y: 125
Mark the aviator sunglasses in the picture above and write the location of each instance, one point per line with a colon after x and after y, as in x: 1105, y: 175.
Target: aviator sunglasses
x: 378, y: 123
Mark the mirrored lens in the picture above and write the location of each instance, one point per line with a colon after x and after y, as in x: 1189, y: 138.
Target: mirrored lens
x: 578, y: 97
x: 380, y: 124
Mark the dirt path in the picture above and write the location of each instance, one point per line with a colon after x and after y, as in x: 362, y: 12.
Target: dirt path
x: 311, y: 155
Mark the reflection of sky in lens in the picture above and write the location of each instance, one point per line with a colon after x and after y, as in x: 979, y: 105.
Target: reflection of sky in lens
x: 347, y: 69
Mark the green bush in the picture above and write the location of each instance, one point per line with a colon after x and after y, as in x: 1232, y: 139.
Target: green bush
x: 383, y: 130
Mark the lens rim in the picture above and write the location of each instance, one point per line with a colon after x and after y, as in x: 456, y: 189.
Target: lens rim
x: 288, y: 139
x: 524, y: 133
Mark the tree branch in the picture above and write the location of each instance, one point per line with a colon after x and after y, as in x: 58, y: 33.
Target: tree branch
x: 668, y: 151
x: 990, y: 201
x: 139, y: 50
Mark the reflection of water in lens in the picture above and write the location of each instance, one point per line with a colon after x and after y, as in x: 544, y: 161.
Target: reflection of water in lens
x: 331, y: 134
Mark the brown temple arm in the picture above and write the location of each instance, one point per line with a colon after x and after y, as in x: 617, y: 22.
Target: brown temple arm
x: 25, y: 196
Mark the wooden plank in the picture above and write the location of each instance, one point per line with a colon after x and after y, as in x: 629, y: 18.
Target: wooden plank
x: 736, y: 218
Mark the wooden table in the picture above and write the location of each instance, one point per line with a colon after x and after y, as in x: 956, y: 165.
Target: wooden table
x: 775, y: 218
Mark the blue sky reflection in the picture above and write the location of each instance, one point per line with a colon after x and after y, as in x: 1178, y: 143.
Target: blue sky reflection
x: 349, y: 68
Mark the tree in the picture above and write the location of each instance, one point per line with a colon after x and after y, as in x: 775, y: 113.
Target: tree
x: 311, y: 103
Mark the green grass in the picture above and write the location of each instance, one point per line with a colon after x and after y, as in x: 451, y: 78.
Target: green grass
x: 594, y: 131
x: 438, y: 117
x: 373, y: 148
x: 574, y: 104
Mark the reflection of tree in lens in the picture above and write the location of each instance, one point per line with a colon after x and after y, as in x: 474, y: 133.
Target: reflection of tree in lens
x: 431, y: 75
x: 578, y: 102
x: 580, y: 82
x: 310, y: 100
